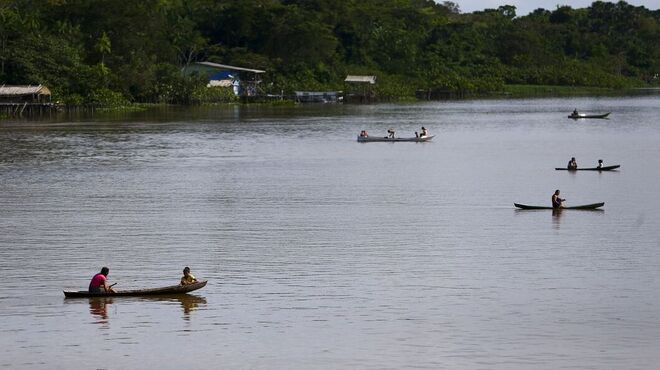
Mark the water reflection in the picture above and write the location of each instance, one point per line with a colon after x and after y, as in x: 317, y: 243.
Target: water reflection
x: 556, y: 216
x: 188, y: 302
x: 98, y: 306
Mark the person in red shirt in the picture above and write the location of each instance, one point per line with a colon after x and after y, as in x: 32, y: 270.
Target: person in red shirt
x: 100, y: 281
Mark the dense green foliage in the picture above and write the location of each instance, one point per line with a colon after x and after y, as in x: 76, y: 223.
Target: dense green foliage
x: 109, y: 52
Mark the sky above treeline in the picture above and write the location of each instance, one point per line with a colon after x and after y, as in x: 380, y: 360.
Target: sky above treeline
x: 524, y: 7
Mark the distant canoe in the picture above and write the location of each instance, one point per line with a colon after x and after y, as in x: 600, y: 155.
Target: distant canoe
x: 604, y: 168
x: 174, y: 289
x: 368, y: 139
x: 578, y: 116
x: 586, y: 206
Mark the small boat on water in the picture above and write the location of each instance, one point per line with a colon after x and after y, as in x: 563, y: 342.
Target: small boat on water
x: 169, y: 290
x: 368, y: 139
x: 584, y: 207
x: 581, y: 115
x: 604, y: 168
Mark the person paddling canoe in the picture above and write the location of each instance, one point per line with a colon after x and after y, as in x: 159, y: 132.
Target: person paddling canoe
x: 556, y: 200
x: 99, y: 283
x: 187, y: 277
x: 572, y: 164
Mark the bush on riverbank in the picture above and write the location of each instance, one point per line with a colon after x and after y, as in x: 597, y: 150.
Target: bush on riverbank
x: 521, y: 91
x: 211, y: 95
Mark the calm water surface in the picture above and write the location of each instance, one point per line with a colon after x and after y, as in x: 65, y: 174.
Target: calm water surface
x: 325, y: 253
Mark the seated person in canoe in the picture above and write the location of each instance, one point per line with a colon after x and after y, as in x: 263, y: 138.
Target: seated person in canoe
x: 423, y: 133
x: 187, y: 277
x: 600, y: 163
x: 575, y: 112
x: 556, y: 200
x: 390, y: 133
x: 572, y: 164
x: 363, y: 133
x: 99, y: 283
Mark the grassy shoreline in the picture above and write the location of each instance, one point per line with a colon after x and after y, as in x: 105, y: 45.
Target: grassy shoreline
x: 529, y: 91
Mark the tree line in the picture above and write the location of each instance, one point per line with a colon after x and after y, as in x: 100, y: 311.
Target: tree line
x: 111, y: 52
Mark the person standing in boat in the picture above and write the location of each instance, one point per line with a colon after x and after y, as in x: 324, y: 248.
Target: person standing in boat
x: 100, y: 281
x: 572, y: 164
x: 556, y: 200
x: 600, y: 163
x: 187, y: 278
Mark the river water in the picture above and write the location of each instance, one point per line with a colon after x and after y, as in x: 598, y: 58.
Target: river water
x: 322, y: 252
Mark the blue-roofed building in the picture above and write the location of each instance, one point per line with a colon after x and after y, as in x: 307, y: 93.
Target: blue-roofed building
x: 222, y: 75
x: 244, y: 81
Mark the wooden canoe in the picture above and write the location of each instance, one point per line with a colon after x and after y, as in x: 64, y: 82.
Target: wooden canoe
x: 604, y: 168
x: 169, y: 290
x: 586, y: 206
x: 578, y: 116
x: 369, y: 139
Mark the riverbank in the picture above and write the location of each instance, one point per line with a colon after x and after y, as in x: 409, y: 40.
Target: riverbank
x: 509, y: 91
x: 528, y: 91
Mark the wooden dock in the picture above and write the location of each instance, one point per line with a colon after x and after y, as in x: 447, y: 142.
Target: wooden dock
x: 26, y: 109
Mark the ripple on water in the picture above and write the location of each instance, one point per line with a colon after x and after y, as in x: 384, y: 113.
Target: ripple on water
x: 320, y: 251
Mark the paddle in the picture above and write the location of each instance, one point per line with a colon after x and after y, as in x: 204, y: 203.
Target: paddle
x: 110, y: 287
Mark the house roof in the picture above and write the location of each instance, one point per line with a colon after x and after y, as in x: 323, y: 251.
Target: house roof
x: 18, y: 90
x: 369, y: 79
x: 231, y: 68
